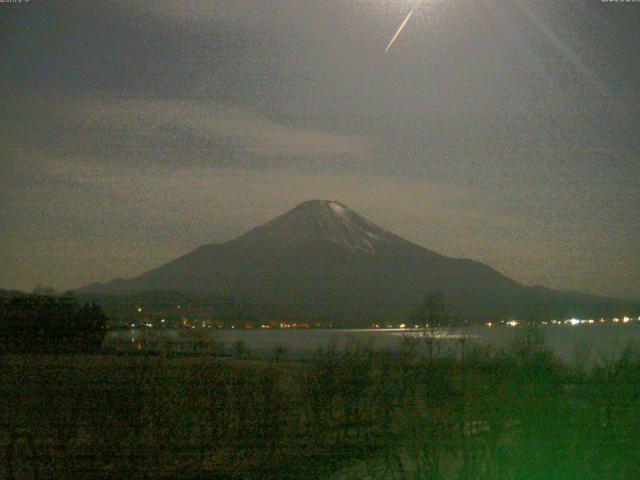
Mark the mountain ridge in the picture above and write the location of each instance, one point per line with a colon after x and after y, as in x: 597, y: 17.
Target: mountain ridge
x: 322, y: 258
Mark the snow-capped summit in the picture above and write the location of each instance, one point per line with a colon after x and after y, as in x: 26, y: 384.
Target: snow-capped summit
x: 318, y: 221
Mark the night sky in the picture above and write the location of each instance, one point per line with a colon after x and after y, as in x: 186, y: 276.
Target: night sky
x: 506, y: 131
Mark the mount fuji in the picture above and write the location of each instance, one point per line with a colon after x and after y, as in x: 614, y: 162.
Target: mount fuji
x: 323, y: 259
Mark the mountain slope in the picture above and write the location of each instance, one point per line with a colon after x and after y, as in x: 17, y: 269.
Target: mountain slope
x: 321, y: 258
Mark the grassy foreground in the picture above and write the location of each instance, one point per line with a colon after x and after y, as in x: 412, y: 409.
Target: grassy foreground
x: 356, y: 413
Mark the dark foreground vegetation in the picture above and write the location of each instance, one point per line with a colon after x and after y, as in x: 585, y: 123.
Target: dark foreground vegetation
x: 354, y: 413
x: 48, y: 323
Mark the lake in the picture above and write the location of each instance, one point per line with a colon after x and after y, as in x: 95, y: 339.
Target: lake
x: 603, y: 341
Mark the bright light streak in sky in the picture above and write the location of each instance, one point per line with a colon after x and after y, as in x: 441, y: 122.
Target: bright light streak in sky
x: 402, y: 25
x: 399, y: 31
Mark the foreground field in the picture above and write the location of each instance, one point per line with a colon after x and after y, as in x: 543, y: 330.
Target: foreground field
x: 353, y: 413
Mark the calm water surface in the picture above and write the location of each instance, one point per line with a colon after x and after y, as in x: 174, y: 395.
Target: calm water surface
x: 601, y: 340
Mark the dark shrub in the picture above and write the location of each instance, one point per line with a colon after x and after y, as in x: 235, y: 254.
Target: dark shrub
x: 39, y: 323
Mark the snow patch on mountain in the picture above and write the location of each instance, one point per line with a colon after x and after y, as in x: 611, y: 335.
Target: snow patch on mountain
x: 322, y: 220
x: 337, y: 208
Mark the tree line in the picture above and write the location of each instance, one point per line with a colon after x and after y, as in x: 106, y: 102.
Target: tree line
x: 48, y: 323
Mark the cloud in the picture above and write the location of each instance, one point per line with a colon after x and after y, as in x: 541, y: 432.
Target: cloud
x: 247, y: 131
x: 248, y: 12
